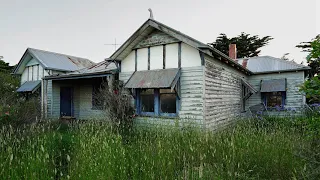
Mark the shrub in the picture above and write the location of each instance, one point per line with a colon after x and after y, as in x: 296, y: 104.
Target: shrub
x: 117, y: 104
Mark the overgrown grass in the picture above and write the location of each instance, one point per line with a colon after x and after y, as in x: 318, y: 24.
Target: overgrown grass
x: 271, y: 149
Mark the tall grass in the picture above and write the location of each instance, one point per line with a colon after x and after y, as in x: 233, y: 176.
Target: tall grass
x: 272, y: 149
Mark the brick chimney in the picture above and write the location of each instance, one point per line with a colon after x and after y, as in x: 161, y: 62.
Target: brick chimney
x: 244, y: 63
x: 233, y: 51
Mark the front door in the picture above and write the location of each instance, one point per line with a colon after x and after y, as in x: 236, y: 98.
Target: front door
x: 66, y: 105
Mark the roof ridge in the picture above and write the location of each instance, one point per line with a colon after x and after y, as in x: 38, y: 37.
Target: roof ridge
x: 59, y: 53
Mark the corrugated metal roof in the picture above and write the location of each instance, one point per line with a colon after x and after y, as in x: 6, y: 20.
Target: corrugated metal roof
x: 269, y: 64
x: 163, y: 78
x: 29, y: 86
x: 52, y: 60
x: 98, y: 70
x: 99, y: 67
x: 273, y: 85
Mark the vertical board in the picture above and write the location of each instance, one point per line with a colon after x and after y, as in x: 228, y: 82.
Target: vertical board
x: 24, y: 76
x: 172, y: 55
x: 128, y: 63
x: 189, y: 56
x: 30, y: 73
x: 35, y: 72
x: 41, y: 73
x: 142, y: 61
x: 156, y: 57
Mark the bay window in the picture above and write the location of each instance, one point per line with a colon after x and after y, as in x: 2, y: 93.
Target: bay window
x: 274, y: 99
x: 157, y: 102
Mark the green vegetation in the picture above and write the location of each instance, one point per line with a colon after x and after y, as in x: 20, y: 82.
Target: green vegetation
x: 276, y: 148
x: 313, y: 58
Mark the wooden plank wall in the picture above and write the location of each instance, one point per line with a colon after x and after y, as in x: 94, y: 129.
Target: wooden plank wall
x: 294, y: 99
x: 222, y: 93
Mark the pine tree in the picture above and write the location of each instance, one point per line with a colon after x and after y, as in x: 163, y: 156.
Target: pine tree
x: 247, y: 45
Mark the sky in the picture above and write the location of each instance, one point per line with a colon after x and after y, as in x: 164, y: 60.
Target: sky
x: 83, y: 27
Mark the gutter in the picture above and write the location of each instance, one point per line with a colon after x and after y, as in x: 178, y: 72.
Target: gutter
x: 79, y: 76
x: 280, y: 71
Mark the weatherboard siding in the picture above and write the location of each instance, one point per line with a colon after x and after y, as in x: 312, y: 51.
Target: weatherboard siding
x: 294, y: 98
x: 222, y: 95
x: 86, y: 111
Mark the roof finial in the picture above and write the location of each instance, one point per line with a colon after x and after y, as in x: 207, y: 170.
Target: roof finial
x: 151, y: 14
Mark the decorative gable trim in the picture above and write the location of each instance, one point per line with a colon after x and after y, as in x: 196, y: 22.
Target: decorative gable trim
x: 156, y: 38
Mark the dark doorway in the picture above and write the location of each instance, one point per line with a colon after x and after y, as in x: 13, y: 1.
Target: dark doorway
x: 66, y: 104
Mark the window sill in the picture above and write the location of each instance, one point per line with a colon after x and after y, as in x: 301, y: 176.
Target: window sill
x: 97, y: 108
x: 167, y: 116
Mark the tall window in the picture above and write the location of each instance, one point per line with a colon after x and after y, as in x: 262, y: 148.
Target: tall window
x: 147, y: 100
x: 167, y: 101
x: 273, y: 99
x: 156, y: 102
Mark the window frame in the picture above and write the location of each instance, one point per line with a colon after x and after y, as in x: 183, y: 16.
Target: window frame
x: 157, y: 104
x: 283, y: 100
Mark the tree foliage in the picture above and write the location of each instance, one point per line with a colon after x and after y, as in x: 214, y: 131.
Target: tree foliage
x: 5, y: 67
x: 313, y: 59
x: 247, y: 45
x: 311, y: 88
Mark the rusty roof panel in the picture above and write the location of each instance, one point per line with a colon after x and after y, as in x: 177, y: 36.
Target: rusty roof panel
x: 163, y: 78
x: 269, y: 64
x: 273, y: 85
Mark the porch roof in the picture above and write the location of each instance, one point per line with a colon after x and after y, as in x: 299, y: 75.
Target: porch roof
x: 163, y: 78
x: 29, y: 86
x: 79, y: 76
x: 273, y: 85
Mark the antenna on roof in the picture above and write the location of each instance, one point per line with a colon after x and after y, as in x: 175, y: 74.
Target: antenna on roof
x: 151, y: 14
x: 115, y: 44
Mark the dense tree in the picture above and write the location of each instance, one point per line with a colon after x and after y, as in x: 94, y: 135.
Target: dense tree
x: 8, y: 84
x: 311, y: 88
x: 5, y: 67
x: 247, y: 45
x: 313, y: 59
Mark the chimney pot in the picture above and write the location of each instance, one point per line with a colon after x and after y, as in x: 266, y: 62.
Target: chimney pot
x: 233, y: 51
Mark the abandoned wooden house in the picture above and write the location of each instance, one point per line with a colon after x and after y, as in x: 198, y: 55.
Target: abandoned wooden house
x: 175, y: 78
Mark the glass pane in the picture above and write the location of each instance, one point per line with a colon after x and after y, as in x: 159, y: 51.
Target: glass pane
x: 147, y: 100
x: 168, y: 103
x: 274, y: 99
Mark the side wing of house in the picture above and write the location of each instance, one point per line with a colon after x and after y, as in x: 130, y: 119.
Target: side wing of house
x: 223, y: 94
x: 278, y: 89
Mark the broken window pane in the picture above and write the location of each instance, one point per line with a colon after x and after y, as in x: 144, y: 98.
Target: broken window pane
x: 147, y: 100
x: 274, y: 99
x: 167, y: 101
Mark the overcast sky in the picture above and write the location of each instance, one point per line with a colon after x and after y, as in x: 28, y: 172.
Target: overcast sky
x: 81, y: 28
